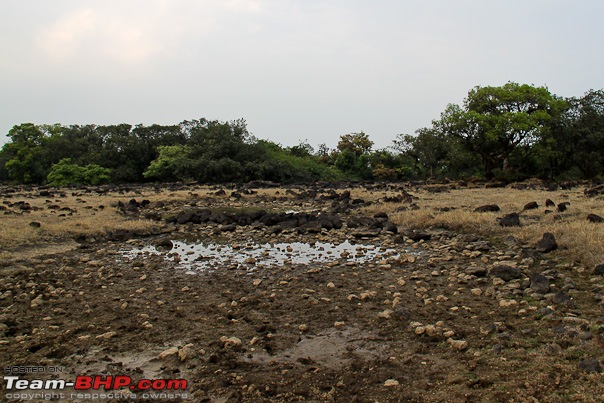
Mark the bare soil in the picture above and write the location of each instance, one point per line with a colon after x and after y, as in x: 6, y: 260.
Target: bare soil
x: 434, y: 323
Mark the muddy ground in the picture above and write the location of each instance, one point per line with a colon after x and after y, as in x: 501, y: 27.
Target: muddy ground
x: 447, y: 317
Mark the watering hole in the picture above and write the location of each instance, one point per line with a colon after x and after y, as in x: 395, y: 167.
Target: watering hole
x: 211, y: 256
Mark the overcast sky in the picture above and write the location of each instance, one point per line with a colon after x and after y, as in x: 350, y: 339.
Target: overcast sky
x: 294, y: 69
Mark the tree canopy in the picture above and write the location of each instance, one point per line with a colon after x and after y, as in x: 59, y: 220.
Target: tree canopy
x: 508, y: 132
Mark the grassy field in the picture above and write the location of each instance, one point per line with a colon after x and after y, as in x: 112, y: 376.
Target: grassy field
x: 579, y: 240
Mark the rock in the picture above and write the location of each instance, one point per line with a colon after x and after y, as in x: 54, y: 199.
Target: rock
x: 164, y: 243
x: 531, y: 206
x: 510, y: 220
x: 391, y: 227
x: 563, y: 206
x: 381, y: 216
x: 539, y: 283
x: 107, y: 335
x: 168, y: 353
x: 547, y: 243
x: 590, y: 365
x: 599, y: 270
x: 561, y: 298
x: 459, y: 345
x: 186, y: 352
x: 228, y: 228
x: 231, y: 342
x: 487, y: 208
x: 367, y: 233
x: 35, y: 224
x: 594, y: 191
x: 417, y: 236
x: 506, y: 273
x: 36, y: 302
x: 506, y: 303
x: 386, y: 314
x: 476, y: 271
x: 550, y: 203
x: 391, y: 383
x: 594, y: 218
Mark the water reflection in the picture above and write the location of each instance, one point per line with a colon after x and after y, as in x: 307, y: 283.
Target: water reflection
x: 202, y: 256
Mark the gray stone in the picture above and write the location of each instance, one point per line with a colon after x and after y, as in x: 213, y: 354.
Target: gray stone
x: 539, y: 283
x: 590, y: 365
x: 510, y: 220
x: 547, y: 243
x: 594, y: 218
x: 506, y: 273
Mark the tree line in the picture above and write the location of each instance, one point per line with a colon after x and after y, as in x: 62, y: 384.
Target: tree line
x: 510, y: 132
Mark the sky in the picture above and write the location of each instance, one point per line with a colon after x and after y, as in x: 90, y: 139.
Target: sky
x: 295, y: 70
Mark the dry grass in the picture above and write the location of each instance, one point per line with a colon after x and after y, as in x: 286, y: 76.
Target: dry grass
x: 16, y: 231
x: 579, y: 239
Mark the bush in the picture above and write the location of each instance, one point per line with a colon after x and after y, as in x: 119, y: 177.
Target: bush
x: 65, y: 173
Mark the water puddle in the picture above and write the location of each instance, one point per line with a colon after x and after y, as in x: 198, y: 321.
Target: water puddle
x: 211, y: 256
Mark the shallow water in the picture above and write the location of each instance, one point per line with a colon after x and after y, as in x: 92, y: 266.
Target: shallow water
x: 210, y: 256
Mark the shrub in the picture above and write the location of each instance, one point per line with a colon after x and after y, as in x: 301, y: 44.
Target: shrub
x: 65, y: 173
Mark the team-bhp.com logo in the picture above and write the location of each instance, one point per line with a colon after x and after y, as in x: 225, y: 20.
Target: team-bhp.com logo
x: 91, y: 387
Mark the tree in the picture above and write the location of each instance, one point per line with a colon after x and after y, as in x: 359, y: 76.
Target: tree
x: 24, y: 162
x: 586, y: 132
x: 66, y: 173
x: 172, y: 163
x: 496, y: 121
x: 357, y: 143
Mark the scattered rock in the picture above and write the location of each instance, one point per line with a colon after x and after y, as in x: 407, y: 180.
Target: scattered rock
x: 164, y: 243
x: 563, y: 206
x: 417, y: 236
x: 487, y: 208
x: 531, y: 206
x: 36, y: 302
x: 547, y: 243
x: 590, y: 365
x: 386, y: 314
x: 391, y: 383
x: 231, y: 342
x: 107, y: 335
x: 539, y: 283
x: 599, y: 270
x: 594, y: 191
x: 186, y: 352
x: 459, y: 345
x: 510, y: 220
x: 561, y: 298
x: 506, y: 273
x: 168, y: 353
x: 594, y: 218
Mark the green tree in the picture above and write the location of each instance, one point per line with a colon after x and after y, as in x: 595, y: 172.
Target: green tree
x: 353, y: 155
x: 66, y: 173
x: 172, y: 163
x: 357, y: 143
x: 586, y: 133
x: 496, y: 121
x: 24, y: 162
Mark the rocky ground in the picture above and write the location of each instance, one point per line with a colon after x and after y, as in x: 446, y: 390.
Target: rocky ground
x: 442, y: 316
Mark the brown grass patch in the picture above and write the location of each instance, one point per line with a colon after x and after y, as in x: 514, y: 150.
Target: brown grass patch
x: 578, y: 239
